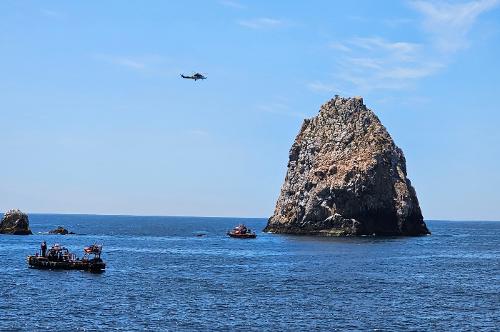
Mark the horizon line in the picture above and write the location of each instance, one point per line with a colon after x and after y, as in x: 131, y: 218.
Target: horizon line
x: 135, y: 215
x: 198, y: 216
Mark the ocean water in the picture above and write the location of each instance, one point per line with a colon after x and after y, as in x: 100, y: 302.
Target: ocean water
x: 161, y: 277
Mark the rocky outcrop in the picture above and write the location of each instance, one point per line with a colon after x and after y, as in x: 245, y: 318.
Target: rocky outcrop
x: 346, y: 177
x: 61, y: 231
x: 15, y: 222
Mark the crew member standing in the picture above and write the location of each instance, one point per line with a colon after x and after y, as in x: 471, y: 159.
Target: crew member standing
x: 44, y: 248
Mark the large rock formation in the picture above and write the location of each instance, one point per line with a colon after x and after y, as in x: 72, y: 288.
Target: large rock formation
x: 15, y: 222
x: 346, y: 177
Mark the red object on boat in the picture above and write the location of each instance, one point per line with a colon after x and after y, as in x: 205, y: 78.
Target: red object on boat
x: 93, y: 249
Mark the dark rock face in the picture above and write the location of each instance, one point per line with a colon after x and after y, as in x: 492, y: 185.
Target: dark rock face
x: 346, y: 177
x: 15, y: 222
x: 61, y: 231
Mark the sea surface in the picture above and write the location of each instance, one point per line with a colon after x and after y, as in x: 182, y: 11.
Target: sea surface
x: 160, y: 276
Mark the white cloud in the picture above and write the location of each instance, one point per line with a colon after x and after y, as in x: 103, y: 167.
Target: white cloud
x: 400, y: 50
x: 449, y: 23
x: 261, y: 23
x: 408, y: 73
x: 339, y: 47
x: 369, y: 63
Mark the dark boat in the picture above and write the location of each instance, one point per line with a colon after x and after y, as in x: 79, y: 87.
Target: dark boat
x: 242, y: 232
x: 59, y: 258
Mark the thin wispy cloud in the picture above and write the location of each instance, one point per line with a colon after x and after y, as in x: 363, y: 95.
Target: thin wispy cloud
x: 322, y: 87
x: 449, y: 23
x: 137, y: 63
x: 262, y: 23
x: 280, y: 107
x: 397, y: 22
x: 232, y: 4
x: 339, y: 47
x: 370, y: 63
x: 51, y: 13
x: 128, y: 62
x: 403, y: 51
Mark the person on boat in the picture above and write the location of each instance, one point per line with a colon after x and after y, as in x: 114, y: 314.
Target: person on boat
x: 44, y: 248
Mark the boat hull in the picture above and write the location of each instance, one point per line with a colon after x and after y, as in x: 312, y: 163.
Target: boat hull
x: 94, y: 265
x: 242, y: 236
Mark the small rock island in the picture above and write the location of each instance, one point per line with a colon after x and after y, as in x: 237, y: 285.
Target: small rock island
x: 60, y: 231
x: 15, y: 222
x: 346, y: 177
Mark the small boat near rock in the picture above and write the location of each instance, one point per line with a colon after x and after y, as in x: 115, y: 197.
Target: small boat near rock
x: 60, y: 258
x: 242, y: 232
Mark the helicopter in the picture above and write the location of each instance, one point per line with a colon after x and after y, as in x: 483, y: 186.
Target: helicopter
x: 196, y: 76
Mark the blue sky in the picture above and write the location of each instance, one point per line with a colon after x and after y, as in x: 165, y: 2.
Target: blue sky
x: 95, y: 118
